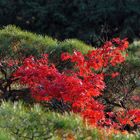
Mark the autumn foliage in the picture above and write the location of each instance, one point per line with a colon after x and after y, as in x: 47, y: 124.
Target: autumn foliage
x: 80, y: 87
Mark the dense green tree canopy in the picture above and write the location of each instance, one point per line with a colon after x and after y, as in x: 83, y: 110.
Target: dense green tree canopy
x: 90, y: 20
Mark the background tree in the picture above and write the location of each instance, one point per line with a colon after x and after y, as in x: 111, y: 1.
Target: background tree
x: 91, y: 21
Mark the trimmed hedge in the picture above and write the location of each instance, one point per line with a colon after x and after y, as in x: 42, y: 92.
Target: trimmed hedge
x: 17, y: 43
x: 24, y: 123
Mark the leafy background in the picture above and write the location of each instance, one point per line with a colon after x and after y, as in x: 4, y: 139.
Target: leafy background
x: 91, y: 21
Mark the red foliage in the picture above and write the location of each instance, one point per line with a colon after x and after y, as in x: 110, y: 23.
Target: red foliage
x: 81, y: 86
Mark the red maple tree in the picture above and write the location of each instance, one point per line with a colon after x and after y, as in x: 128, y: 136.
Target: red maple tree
x: 80, y: 86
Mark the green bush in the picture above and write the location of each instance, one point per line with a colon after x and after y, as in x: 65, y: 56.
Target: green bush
x: 74, y: 44
x: 21, y: 122
x: 17, y: 43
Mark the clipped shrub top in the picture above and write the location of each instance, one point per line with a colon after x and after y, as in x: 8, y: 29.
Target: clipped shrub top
x: 71, y: 44
x: 16, y: 43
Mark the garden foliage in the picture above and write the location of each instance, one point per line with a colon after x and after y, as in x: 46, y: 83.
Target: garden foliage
x: 16, y: 45
x: 88, y: 81
x: 78, y: 88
